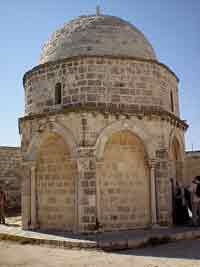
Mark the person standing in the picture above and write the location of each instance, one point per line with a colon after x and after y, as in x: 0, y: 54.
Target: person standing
x: 2, y: 206
x: 195, y: 200
x: 182, y: 216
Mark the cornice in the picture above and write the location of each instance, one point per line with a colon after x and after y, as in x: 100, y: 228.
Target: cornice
x: 111, y: 109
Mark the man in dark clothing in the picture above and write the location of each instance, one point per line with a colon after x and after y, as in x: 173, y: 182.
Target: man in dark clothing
x: 182, y: 215
x: 2, y: 206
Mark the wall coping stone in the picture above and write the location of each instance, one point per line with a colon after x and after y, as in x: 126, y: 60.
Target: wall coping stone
x: 193, y: 154
x: 10, y: 147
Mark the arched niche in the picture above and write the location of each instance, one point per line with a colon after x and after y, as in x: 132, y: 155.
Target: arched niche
x: 123, y: 183
x: 176, y: 156
x: 48, y: 128
x: 137, y: 127
x: 56, y: 172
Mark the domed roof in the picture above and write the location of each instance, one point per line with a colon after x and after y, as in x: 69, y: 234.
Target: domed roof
x: 97, y: 35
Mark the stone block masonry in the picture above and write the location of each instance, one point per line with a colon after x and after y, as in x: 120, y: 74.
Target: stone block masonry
x: 192, y: 166
x: 101, y: 81
x: 10, y: 181
x: 114, y: 164
x: 118, y: 119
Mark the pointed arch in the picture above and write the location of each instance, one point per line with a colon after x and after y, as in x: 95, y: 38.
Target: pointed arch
x: 123, y: 175
x: 176, y: 141
x: 176, y: 154
x: 39, y: 137
x: 56, y: 174
x: 136, y: 127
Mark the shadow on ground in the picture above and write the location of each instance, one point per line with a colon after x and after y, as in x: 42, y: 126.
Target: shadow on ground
x: 185, y: 249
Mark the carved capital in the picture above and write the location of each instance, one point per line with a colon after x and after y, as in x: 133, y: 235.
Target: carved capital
x: 152, y: 163
x: 84, y: 151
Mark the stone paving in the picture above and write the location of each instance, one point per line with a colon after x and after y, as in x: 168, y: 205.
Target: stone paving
x: 107, y: 241
x: 176, y: 254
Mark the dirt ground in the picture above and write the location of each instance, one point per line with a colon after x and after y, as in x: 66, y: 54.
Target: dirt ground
x: 179, y: 254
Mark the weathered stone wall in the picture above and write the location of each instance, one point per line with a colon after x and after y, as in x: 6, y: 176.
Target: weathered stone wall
x: 192, y: 166
x: 102, y: 82
x: 56, y: 173
x: 87, y: 133
x: 10, y: 179
x: 123, y: 180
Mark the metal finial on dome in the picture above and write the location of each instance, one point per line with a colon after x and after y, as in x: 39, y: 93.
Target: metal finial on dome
x: 98, y: 10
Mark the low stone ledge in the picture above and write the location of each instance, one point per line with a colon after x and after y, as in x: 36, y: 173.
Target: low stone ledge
x: 40, y: 241
x: 137, y: 243
x: 104, y: 243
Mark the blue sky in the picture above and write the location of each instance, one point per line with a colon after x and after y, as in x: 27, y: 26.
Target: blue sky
x: 172, y: 26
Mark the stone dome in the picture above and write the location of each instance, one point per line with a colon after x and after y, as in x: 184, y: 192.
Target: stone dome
x: 97, y: 35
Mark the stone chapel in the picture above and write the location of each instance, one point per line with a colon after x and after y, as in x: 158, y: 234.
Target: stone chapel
x: 102, y: 137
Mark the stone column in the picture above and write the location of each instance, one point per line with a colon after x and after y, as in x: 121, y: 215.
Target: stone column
x: 153, y: 194
x: 33, y: 197
x: 164, y: 203
x: 26, y: 197
x: 86, y: 190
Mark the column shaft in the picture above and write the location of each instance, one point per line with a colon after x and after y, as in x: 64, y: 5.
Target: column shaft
x: 26, y: 199
x: 33, y: 198
x: 153, y: 195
